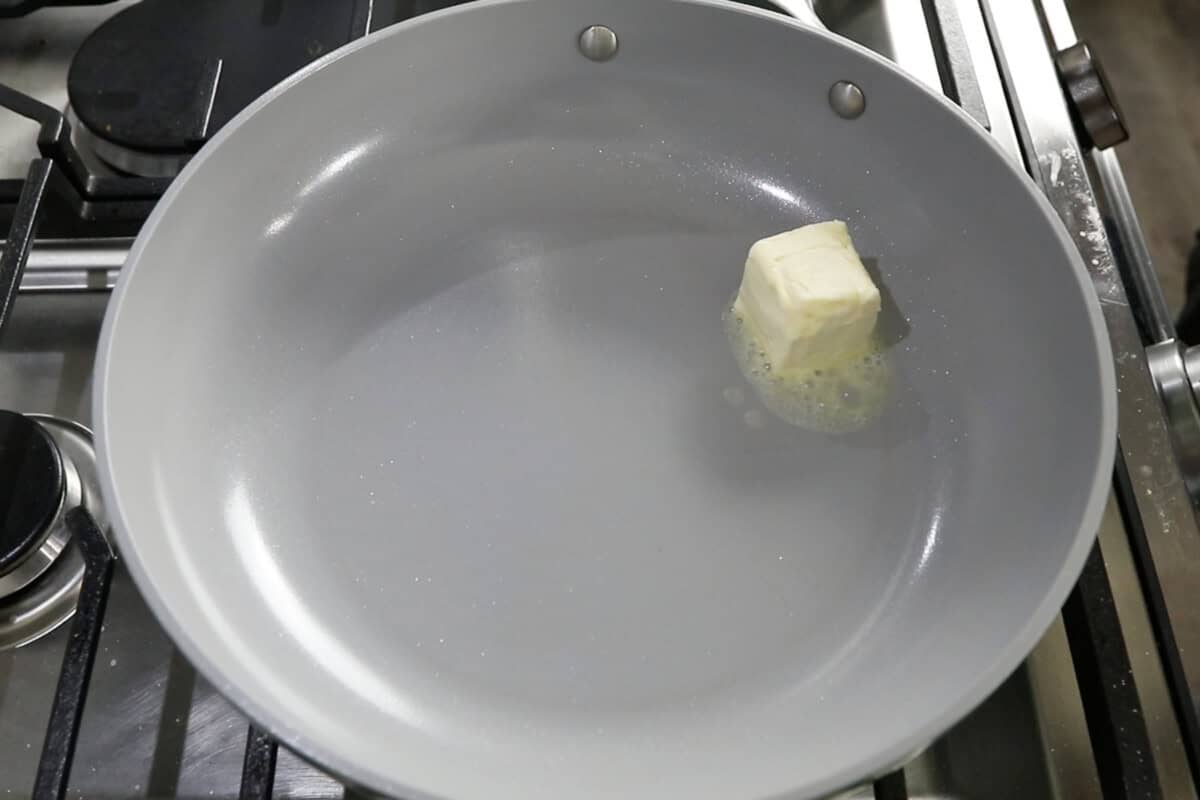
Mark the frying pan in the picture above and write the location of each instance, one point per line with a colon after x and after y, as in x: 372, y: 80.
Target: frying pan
x: 446, y: 473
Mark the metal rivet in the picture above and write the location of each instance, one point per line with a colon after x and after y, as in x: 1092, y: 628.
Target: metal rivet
x: 598, y: 42
x: 847, y: 100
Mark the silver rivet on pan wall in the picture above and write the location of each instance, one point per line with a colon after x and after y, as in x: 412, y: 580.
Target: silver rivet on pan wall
x: 598, y: 42
x: 847, y: 100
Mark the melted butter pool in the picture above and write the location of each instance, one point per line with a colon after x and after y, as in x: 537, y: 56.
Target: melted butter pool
x: 842, y: 397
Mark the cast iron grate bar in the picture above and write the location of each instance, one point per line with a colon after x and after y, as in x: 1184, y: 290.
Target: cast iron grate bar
x: 953, y: 57
x: 96, y: 201
x: 258, y: 769
x: 1186, y: 711
x: 891, y: 787
x: 21, y: 233
x: 54, y: 767
x: 54, y: 142
x: 1111, y: 706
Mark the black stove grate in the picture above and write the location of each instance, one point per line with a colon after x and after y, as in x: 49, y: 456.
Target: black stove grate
x: 66, y: 714
x: 1114, y: 714
x: 96, y: 204
x: 258, y: 768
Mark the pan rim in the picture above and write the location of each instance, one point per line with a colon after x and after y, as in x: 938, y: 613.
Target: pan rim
x: 340, y: 761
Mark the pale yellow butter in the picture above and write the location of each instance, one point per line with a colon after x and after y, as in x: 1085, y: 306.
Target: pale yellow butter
x: 807, y: 298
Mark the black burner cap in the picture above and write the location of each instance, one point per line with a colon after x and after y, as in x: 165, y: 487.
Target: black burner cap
x: 145, y: 79
x: 31, y: 486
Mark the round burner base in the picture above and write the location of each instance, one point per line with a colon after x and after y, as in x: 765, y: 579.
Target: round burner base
x: 156, y: 80
x: 31, y: 491
x: 49, y: 600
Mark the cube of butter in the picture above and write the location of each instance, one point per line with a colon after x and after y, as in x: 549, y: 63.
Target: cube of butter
x: 807, y: 298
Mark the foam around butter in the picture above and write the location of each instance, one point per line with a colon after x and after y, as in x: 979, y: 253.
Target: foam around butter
x: 841, y: 397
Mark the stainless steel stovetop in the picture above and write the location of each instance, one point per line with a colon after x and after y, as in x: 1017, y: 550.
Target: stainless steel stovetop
x: 1103, y: 707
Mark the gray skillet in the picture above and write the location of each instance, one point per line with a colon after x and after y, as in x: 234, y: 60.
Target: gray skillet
x: 447, y: 475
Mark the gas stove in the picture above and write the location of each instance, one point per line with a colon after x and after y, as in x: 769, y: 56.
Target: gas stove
x: 102, y: 105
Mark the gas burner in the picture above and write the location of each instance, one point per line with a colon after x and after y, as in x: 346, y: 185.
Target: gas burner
x: 154, y: 82
x: 32, y: 488
x: 47, y: 467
